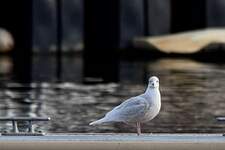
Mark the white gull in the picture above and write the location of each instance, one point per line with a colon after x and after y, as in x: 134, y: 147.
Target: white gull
x: 138, y: 109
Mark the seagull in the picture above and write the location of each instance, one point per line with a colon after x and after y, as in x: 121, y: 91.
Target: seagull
x: 138, y: 109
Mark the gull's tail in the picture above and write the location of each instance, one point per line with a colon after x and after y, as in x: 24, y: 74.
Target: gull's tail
x: 98, y: 122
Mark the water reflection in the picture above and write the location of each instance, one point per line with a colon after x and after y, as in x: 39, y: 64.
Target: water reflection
x: 192, y: 95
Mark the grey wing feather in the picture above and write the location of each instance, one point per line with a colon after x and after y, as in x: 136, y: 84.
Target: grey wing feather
x: 130, y: 110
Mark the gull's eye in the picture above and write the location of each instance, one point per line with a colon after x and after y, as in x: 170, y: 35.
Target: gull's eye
x: 157, y: 81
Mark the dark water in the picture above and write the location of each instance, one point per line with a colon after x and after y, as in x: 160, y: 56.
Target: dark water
x: 192, y: 95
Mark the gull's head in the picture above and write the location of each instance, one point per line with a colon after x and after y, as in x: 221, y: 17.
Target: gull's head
x: 153, y: 82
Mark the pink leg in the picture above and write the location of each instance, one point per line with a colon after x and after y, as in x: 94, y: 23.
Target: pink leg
x: 138, y: 128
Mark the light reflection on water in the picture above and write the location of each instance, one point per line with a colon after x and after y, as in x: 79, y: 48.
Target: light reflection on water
x: 192, y: 95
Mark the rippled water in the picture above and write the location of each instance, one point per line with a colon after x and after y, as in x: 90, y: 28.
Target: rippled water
x: 192, y: 95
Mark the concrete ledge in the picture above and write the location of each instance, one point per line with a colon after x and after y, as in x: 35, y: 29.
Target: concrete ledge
x: 114, y: 142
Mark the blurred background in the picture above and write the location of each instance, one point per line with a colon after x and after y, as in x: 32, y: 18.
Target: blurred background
x: 74, y: 60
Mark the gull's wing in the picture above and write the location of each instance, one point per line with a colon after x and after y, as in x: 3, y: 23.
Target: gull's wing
x: 130, y: 110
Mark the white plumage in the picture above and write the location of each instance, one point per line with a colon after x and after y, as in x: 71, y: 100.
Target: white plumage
x: 139, y: 109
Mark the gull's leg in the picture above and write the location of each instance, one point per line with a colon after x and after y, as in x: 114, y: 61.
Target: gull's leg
x: 138, y: 128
